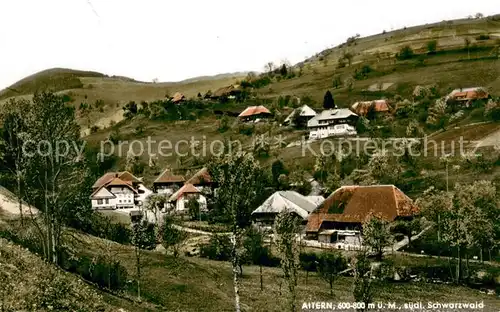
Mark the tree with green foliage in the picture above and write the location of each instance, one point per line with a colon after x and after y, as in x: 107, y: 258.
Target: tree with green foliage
x: 328, y: 101
x: 286, y: 233
x: 472, y: 219
x: 434, y: 204
x: 329, y: 265
x: 363, y: 285
x: 11, y: 147
x: 283, y: 70
x: 51, y: 165
x: 277, y: 169
x: 194, y: 209
x: 172, y: 237
x: 438, y: 117
x: 377, y: 234
x: 155, y: 203
x: 255, y: 250
x: 238, y: 177
x: 407, y: 227
x: 432, y: 47
x: 143, y: 238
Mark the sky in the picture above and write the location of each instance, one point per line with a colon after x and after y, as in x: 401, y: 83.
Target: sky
x: 174, y: 40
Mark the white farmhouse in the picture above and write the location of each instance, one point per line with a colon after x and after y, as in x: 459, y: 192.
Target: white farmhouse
x: 332, y: 122
x: 179, y: 200
x: 115, y: 194
x: 305, y: 113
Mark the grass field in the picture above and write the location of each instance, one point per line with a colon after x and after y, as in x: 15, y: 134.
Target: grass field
x: 194, y: 284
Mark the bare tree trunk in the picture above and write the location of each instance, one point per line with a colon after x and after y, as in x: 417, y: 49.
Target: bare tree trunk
x: 489, y: 253
x: 261, y: 278
x: 235, y: 272
x: 138, y: 271
x: 481, y: 255
x: 467, y: 264
x: 439, y: 234
x: 18, y: 178
x: 459, y: 264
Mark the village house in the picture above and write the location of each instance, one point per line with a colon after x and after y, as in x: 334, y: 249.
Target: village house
x: 378, y: 106
x: 178, y: 98
x: 280, y: 201
x: 115, y: 194
x: 168, y: 183
x: 202, y: 181
x: 118, y: 190
x: 305, y: 114
x: 339, y: 218
x: 465, y: 96
x: 179, y: 200
x: 229, y: 92
x: 254, y: 113
x: 332, y: 122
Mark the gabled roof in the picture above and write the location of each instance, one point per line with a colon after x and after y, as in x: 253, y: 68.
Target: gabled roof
x: 254, y: 110
x: 379, y: 106
x: 305, y: 111
x: 352, y: 204
x: 185, y: 189
x: 330, y: 114
x: 115, y: 182
x: 225, y: 91
x: 200, y: 177
x: 475, y: 93
x: 286, y: 200
x: 168, y: 177
x: 107, y: 177
x: 177, y: 97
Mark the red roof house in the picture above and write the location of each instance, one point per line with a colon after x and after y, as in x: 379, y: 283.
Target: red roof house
x: 349, y: 206
x: 253, y: 112
x: 362, y: 108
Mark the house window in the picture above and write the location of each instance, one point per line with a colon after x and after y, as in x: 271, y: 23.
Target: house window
x: 120, y: 201
x: 106, y: 201
x: 99, y: 201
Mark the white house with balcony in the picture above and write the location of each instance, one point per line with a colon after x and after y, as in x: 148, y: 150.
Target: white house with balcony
x: 115, y: 195
x: 332, y: 122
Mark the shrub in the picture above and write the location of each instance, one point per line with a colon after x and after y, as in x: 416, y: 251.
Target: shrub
x: 246, y: 129
x: 94, y: 129
x: 405, y: 53
x: 218, y: 248
x: 492, y: 110
x: 483, y: 37
x: 432, y: 47
x: 223, y: 124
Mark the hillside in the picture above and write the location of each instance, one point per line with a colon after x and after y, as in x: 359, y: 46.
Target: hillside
x: 111, y: 92
x: 451, y: 66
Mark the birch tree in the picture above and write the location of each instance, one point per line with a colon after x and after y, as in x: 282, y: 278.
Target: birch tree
x: 238, y: 179
x: 54, y: 163
x: 286, y: 231
x: 12, y: 140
